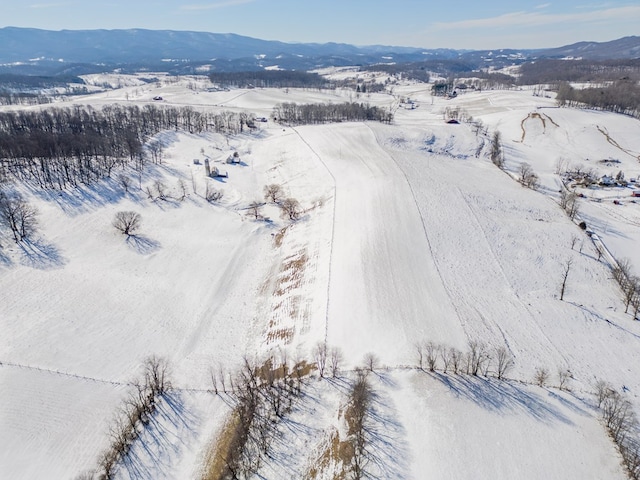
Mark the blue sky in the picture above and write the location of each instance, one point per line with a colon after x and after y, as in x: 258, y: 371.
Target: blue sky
x: 419, y: 23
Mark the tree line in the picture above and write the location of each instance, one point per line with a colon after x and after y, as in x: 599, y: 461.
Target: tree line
x: 553, y: 71
x: 620, y: 96
x: 270, y: 79
x: 62, y: 147
x: 315, y: 113
x: 409, y: 71
x: 22, y: 98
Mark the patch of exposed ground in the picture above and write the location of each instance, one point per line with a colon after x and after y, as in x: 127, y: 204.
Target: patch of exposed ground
x: 278, y: 237
x: 341, y: 458
x: 262, y: 396
x: 226, y: 441
x: 286, y: 313
x: 334, y: 457
x: 528, y: 117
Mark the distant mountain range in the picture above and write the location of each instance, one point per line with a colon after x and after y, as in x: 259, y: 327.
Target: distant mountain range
x: 35, y: 51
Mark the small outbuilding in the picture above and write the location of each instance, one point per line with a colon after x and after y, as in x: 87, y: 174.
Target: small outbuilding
x: 235, y: 158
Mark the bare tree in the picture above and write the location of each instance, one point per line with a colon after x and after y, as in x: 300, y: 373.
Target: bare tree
x: 156, y: 374
x: 574, y: 240
x: 561, y: 165
x: 456, y: 357
x: 603, y: 389
x: 182, y: 188
x: 622, y: 424
x: 255, y: 208
x: 273, y: 192
x: 156, y: 148
x: 477, y: 357
x: 420, y: 355
x: 358, y: 412
x: 541, y: 376
x: 445, y: 355
x: 635, y: 301
x: 371, y: 361
x: 431, y: 352
x: 477, y: 126
x: 524, y: 170
x: 618, y: 414
x: 125, y: 182
x: 291, y: 208
x: 134, y: 414
x: 504, y: 361
x: 127, y: 222
x: 532, y: 181
x: 565, y: 197
x: 569, y: 203
x: 630, y: 291
x: 527, y: 177
x: 320, y: 353
x: 161, y: 189
x: 18, y: 215
x: 622, y: 270
x: 335, y: 359
x: 567, y: 268
x: 495, y: 151
x: 564, y: 375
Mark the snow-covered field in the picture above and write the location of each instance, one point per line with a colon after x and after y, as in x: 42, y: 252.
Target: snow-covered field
x: 409, y: 234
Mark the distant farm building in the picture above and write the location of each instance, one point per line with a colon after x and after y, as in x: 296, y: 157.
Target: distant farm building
x: 607, y: 181
x: 213, y: 172
x: 235, y: 158
x: 441, y: 89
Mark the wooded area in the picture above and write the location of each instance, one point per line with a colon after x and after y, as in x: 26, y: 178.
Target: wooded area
x: 270, y: 79
x: 61, y: 147
x: 314, y: 113
x: 553, y: 71
x: 622, y: 96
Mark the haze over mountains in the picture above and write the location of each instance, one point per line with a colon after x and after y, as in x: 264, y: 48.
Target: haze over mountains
x: 38, y: 51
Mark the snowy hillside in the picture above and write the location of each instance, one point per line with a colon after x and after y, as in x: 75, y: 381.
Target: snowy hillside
x: 408, y: 234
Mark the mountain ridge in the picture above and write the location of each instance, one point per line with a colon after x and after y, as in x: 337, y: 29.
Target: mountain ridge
x: 30, y: 50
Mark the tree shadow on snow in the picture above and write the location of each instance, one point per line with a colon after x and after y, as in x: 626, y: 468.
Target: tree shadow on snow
x: 142, y: 244
x: 164, y: 439
x: 388, y: 450
x: 607, y: 227
x: 37, y: 253
x: 591, y: 314
x: 82, y: 198
x: 499, y: 395
x: 5, y: 261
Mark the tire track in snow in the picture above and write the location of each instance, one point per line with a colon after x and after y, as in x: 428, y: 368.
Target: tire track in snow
x: 220, y: 291
x: 87, y: 378
x: 424, y: 229
x: 233, y: 98
x: 60, y: 373
x: 498, y: 264
x: 333, y: 230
